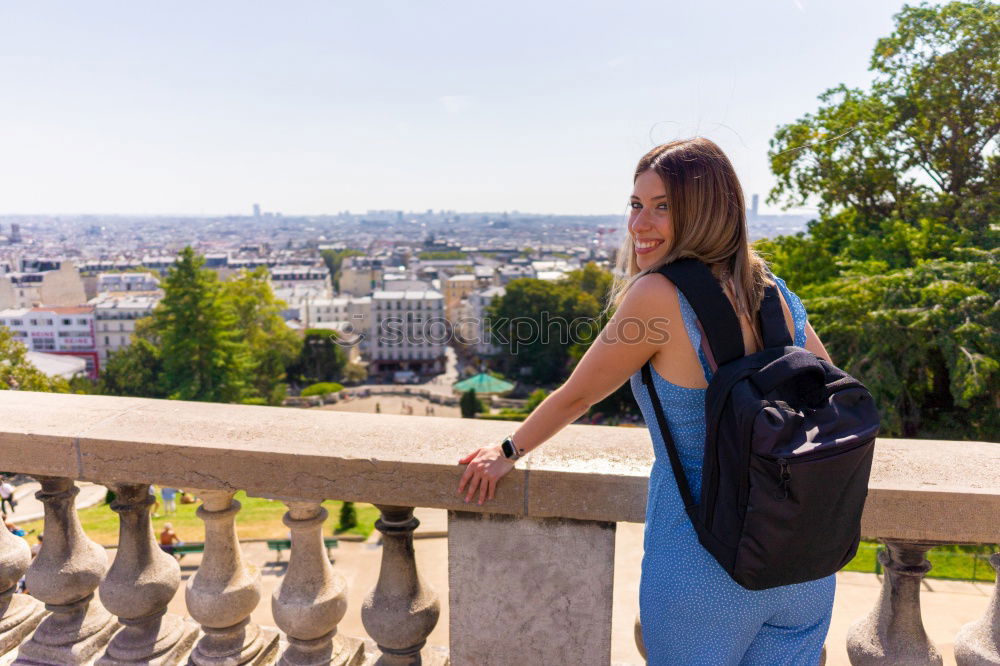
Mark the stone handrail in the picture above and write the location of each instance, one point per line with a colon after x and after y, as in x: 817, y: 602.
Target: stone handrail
x: 574, y: 488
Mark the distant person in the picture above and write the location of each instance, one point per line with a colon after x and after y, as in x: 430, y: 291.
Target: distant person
x: 168, y: 539
x: 14, y: 529
x: 7, y: 501
x: 686, y: 204
x: 156, y: 502
x: 36, y: 548
x: 378, y: 408
x: 169, y: 496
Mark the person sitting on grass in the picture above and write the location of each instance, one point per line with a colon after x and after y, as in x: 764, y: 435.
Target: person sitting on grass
x: 168, y: 538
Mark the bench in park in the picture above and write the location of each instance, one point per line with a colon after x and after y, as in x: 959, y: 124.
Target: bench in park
x: 286, y: 544
x: 185, y: 548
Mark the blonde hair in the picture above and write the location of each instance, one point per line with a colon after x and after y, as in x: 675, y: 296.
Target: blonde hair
x: 709, y: 224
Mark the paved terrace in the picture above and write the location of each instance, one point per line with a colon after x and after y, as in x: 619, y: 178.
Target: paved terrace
x: 543, y: 550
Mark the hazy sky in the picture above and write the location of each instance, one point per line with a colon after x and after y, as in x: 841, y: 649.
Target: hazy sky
x: 316, y: 107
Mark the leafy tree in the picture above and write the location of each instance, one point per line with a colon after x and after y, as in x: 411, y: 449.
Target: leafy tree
x: 334, y: 259
x: 135, y: 370
x: 320, y: 358
x: 925, y: 340
x: 921, y: 143
x: 470, y: 404
x: 901, y: 271
x: 17, y: 372
x: 535, y: 399
x: 354, y: 373
x: 348, y: 517
x: 543, y: 326
x: 258, y: 325
x: 202, y: 355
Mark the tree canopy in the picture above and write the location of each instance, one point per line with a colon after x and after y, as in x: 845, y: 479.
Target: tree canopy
x: 900, y: 273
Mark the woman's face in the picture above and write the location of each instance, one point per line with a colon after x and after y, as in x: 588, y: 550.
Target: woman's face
x: 649, y: 222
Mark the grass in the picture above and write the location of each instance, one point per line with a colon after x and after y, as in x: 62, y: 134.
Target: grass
x: 258, y: 519
x: 947, y: 562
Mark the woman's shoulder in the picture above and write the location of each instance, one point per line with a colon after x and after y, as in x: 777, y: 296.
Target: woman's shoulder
x: 652, y: 294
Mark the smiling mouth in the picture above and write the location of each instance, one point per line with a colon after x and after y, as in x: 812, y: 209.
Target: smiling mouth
x: 647, y: 245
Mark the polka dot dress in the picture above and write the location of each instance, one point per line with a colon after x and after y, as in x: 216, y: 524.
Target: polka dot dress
x: 692, y: 612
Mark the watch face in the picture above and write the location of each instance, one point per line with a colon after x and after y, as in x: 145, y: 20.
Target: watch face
x: 508, y: 448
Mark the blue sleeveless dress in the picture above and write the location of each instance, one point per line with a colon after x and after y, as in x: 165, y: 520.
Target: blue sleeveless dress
x: 691, y: 611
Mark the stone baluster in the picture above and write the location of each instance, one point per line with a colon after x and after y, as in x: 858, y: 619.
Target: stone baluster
x: 978, y: 643
x: 312, y: 598
x: 19, y: 613
x: 64, y: 575
x: 225, y: 590
x: 140, y: 583
x: 893, y: 632
x: 638, y: 638
x: 401, y: 611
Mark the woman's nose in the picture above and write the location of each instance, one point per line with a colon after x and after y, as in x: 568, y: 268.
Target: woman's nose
x: 638, y: 222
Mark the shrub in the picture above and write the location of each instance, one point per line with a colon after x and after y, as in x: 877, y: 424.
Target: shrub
x: 321, y: 388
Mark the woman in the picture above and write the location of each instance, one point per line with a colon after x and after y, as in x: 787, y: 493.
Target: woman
x: 686, y: 202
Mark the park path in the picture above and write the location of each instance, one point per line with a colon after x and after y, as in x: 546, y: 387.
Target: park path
x: 29, y: 508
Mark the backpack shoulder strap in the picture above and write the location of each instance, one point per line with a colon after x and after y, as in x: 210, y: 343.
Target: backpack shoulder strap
x: 714, y: 311
x: 772, y: 320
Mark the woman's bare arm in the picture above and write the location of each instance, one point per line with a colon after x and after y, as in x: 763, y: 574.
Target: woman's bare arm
x: 641, y: 325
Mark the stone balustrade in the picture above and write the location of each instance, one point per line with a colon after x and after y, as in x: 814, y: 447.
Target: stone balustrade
x: 541, y: 552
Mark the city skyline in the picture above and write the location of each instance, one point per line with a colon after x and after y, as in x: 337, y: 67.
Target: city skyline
x: 313, y: 109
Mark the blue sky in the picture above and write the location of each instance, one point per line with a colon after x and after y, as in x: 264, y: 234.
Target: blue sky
x: 317, y: 107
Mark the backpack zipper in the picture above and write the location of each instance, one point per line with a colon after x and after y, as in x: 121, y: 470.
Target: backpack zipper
x: 784, y: 480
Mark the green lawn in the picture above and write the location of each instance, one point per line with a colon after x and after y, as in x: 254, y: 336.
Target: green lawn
x: 947, y: 562
x: 258, y: 519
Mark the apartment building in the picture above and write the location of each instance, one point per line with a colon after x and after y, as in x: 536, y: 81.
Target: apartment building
x: 408, y: 332
x: 61, y: 286
x: 56, y: 330
x: 115, y: 315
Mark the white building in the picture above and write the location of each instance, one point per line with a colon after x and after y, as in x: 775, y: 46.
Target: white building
x: 360, y: 276
x: 126, y: 282
x: 317, y: 277
x: 348, y: 315
x: 62, y: 287
x: 475, y: 328
x: 115, y: 316
x: 56, y: 330
x: 408, y: 332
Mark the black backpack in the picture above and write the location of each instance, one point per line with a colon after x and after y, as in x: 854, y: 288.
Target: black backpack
x: 788, y: 447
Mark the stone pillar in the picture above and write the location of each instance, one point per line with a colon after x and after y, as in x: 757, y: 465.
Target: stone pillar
x: 141, y: 582
x: 401, y: 611
x: 978, y: 643
x: 638, y: 638
x: 893, y: 632
x: 312, y: 598
x: 225, y: 590
x: 529, y: 591
x: 19, y: 613
x: 64, y: 575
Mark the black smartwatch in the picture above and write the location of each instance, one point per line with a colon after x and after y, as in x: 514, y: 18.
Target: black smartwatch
x: 509, y: 450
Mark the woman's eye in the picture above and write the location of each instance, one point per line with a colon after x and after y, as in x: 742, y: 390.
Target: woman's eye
x: 662, y: 206
x: 635, y: 205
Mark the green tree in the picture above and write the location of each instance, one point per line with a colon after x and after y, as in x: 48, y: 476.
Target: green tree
x: 901, y: 271
x: 543, y: 326
x: 921, y: 143
x: 17, y: 372
x: 320, y: 358
x: 334, y: 259
x: 470, y: 405
x: 135, y: 370
x: 259, y: 327
x: 202, y: 355
x: 348, y: 517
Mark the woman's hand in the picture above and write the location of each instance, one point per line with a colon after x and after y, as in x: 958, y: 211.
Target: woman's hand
x: 486, y: 466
